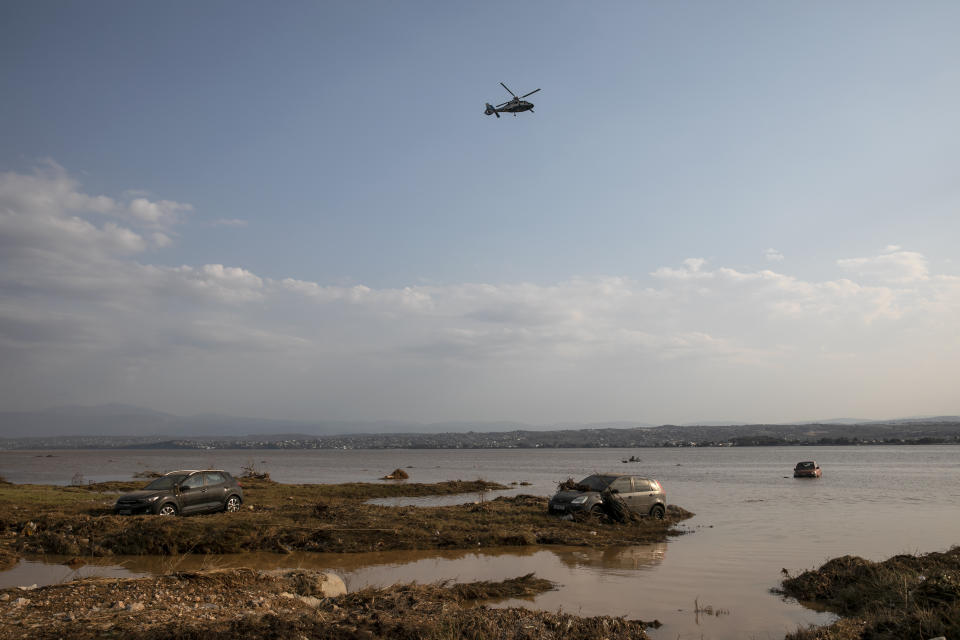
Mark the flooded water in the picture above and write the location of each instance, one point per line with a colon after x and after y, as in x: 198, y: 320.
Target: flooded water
x: 753, y: 519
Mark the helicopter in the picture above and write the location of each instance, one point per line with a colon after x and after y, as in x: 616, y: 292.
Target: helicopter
x: 514, y: 106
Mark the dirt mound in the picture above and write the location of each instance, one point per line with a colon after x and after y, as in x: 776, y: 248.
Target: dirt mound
x: 396, y: 474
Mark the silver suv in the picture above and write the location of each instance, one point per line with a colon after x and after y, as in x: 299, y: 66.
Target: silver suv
x: 642, y: 495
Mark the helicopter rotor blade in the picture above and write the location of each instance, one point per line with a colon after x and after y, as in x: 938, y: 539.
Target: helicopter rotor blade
x: 504, y: 103
x: 530, y: 94
x: 508, y: 90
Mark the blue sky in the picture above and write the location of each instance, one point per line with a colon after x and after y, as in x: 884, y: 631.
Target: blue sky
x: 305, y: 196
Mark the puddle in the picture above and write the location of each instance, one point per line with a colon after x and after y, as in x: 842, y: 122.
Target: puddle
x: 642, y: 581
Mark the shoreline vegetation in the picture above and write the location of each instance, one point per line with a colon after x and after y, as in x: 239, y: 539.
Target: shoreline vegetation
x: 332, y: 518
x: 906, y: 596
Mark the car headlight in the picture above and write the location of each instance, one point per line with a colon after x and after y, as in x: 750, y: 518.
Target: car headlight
x: 153, y: 498
x: 579, y: 500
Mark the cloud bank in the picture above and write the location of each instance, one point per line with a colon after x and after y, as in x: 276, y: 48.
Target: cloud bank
x: 89, y: 314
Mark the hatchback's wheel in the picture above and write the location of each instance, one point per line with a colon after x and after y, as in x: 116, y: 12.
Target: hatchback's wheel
x: 233, y: 504
x: 168, y: 510
x: 596, y: 511
x: 657, y: 512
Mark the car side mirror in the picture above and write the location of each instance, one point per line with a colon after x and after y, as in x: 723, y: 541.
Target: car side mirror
x: 614, y: 490
x: 182, y: 489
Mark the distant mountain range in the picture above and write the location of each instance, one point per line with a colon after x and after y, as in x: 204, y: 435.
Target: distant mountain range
x: 120, y: 420
x: 128, y: 420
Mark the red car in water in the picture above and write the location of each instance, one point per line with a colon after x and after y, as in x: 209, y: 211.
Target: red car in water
x: 807, y: 469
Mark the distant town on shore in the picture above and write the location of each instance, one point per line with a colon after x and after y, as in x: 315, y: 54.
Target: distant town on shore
x: 121, y: 427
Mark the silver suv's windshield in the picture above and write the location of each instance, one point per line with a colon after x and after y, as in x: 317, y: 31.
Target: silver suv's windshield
x: 166, y: 482
x: 595, y: 483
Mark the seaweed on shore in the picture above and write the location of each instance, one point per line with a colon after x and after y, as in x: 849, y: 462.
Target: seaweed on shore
x: 904, y: 596
x: 78, y: 521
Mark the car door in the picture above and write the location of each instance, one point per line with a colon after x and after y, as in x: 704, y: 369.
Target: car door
x: 215, y: 487
x: 624, y: 489
x: 192, y: 497
x: 645, y: 494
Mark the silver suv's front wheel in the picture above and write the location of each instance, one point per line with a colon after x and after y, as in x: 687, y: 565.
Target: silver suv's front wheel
x: 167, y: 510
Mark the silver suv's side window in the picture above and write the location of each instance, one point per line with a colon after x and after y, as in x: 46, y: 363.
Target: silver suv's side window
x: 643, y: 485
x: 621, y: 485
x: 214, y: 478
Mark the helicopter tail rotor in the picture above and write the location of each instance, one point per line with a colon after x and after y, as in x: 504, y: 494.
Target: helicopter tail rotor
x: 490, y: 110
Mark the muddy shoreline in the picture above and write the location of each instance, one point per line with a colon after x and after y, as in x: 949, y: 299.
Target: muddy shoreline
x: 900, y: 597
x: 244, y: 603
x: 319, y: 518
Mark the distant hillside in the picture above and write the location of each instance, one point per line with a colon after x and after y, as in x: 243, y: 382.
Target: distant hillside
x: 121, y: 420
x: 112, y: 429
x: 126, y: 425
x: 125, y: 420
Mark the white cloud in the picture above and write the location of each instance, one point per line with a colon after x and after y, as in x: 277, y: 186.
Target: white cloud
x: 160, y: 214
x: 229, y: 222
x: 47, y: 190
x: 160, y: 240
x: 212, y: 282
x: 79, y: 310
x: 895, y: 265
x: 772, y: 255
x: 692, y: 270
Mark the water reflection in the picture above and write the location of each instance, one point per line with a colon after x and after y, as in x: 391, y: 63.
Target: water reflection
x: 633, y: 581
x: 614, y: 559
x: 362, y: 569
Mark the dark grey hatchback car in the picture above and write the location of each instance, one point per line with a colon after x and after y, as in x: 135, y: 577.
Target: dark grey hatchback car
x: 183, y: 492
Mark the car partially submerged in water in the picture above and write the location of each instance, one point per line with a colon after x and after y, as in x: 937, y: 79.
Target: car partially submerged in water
x: 807, y: 469
x: 642, y: 495
x: 184, y: 492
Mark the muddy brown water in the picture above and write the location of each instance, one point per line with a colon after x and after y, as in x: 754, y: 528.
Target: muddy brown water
x: 752, y: 519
